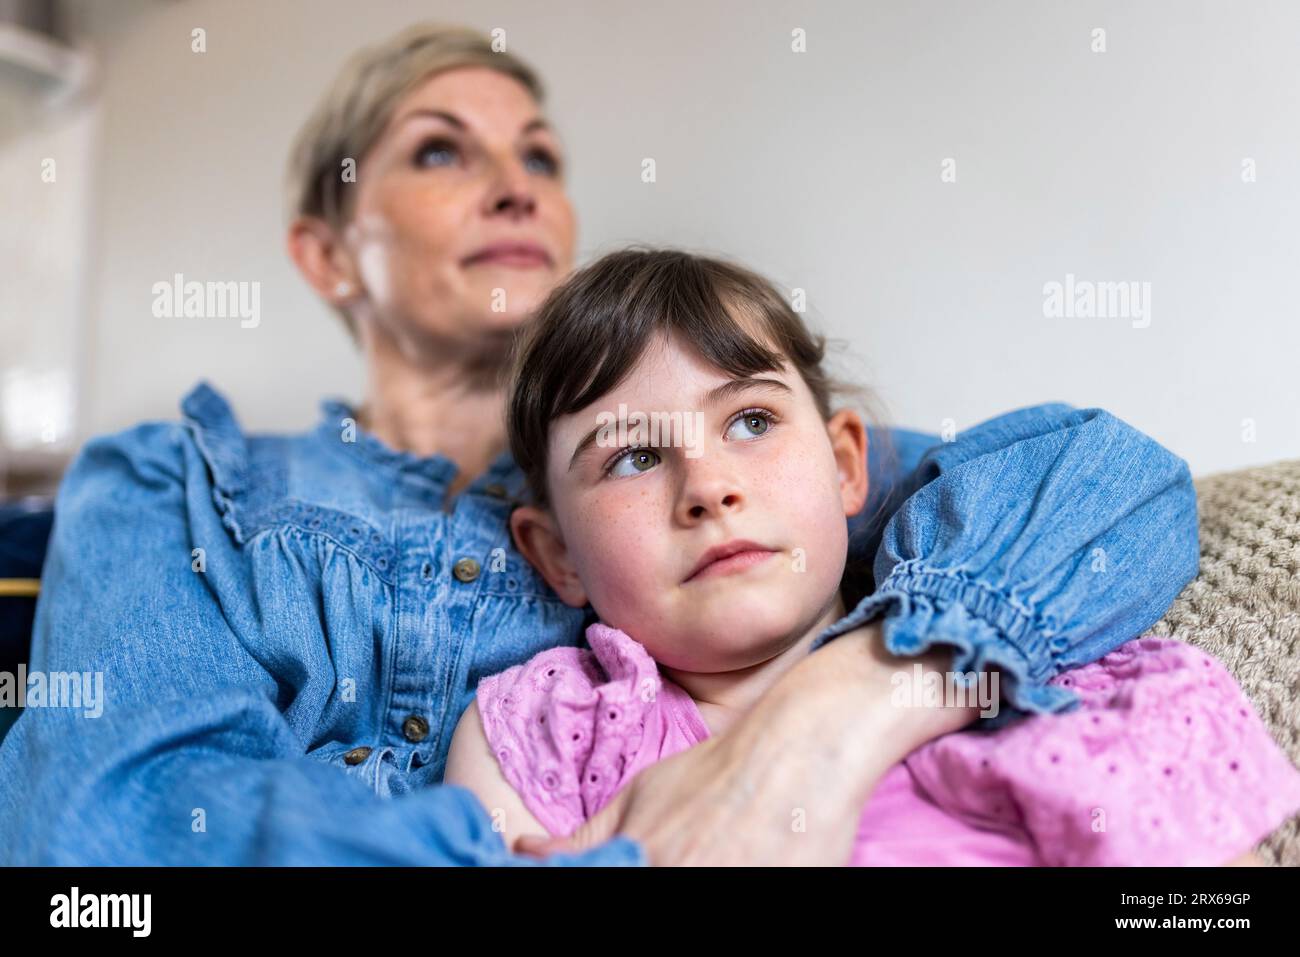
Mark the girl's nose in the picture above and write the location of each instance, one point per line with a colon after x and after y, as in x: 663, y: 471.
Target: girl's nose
x: 708, y: 490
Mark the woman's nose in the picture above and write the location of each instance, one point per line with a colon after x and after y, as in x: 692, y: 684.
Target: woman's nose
x: 510, y: 190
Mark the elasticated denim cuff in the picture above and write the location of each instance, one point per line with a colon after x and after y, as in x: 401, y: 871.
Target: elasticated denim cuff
x: 984, y: 627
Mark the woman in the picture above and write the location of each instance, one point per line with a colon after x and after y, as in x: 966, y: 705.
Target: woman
x: 290, y: 627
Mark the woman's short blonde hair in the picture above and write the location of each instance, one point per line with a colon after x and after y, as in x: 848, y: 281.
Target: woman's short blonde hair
x: 359, y: 104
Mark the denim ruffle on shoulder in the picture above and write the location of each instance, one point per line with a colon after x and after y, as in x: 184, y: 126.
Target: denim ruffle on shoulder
x: 221, y: 441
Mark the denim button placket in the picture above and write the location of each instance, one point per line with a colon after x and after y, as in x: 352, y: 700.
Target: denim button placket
x: 415, y: 729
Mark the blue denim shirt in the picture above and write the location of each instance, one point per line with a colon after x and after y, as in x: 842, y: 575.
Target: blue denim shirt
x: 289, y: 627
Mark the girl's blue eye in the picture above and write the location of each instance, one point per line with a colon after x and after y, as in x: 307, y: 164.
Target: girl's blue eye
x: 752, y: 423
x: 435, y: 153
x: 634, y: 462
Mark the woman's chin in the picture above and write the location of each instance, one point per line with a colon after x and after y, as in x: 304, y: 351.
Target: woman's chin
x: 509, y: 296
x: 508, y: 320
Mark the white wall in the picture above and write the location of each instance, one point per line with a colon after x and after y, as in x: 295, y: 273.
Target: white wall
x: 821, y: 169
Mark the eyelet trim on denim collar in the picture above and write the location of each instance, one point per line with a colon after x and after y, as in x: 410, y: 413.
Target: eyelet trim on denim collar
x: 437, y: 468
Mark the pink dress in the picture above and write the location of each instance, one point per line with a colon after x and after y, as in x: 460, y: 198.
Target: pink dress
x: 1164, y: 762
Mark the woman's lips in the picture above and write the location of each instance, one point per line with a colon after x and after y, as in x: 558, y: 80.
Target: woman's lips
x: 515, y: 255
x: 732, y: 564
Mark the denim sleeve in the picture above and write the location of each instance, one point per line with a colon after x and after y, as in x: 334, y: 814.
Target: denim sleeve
x: 1037, y: 541
x: 191, y: 760
x: 893, y: 459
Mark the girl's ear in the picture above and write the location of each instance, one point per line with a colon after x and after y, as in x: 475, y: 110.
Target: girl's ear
x: 538, y: 539
x: 849, y: 444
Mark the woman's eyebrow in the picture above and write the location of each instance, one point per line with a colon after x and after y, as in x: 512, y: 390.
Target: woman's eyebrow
x: 537, y: 123
x: 423, y: 113
x: 723, y: 392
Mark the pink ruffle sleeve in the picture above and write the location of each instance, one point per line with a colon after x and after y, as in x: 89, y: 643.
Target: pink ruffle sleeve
x: 1165, y: 762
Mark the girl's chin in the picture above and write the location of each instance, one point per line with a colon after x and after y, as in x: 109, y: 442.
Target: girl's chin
x: 730, y: 656
x: 738, y: 640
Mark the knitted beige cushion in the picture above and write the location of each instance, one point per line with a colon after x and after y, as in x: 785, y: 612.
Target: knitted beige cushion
x: 1244, y: 607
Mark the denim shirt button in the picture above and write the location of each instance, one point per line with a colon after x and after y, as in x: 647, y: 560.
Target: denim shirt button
x: 466, y: 569
x: 1060, y: 643
x: 415, y: 728
x: 356, y: 755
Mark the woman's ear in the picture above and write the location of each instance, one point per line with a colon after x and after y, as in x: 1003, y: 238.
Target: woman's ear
x: 320, y: 257
x: 848, y: 438
x: 538, y: 539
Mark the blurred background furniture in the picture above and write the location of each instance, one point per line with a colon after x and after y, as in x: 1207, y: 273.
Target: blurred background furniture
x: 49, y: 111
x: 24, y: 532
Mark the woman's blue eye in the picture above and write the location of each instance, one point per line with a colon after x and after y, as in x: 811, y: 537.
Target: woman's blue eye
x: 435, y: 153
x: 546, y: 164
x: 634, y: 462
x: 751, y: 424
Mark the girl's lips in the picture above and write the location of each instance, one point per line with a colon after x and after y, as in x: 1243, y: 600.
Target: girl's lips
x: 732, y: 564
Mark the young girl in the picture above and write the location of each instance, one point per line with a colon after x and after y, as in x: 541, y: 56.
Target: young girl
x: 698, y: 503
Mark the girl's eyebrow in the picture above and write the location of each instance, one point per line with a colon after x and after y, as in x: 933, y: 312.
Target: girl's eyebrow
x: 725, y: 391
x: 728, y: 389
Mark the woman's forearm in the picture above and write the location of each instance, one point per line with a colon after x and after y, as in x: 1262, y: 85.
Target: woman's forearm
x: 836, y: 712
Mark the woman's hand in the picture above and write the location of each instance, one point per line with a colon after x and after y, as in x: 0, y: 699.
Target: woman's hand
x: 788, y: 782
x: 710, y: 805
